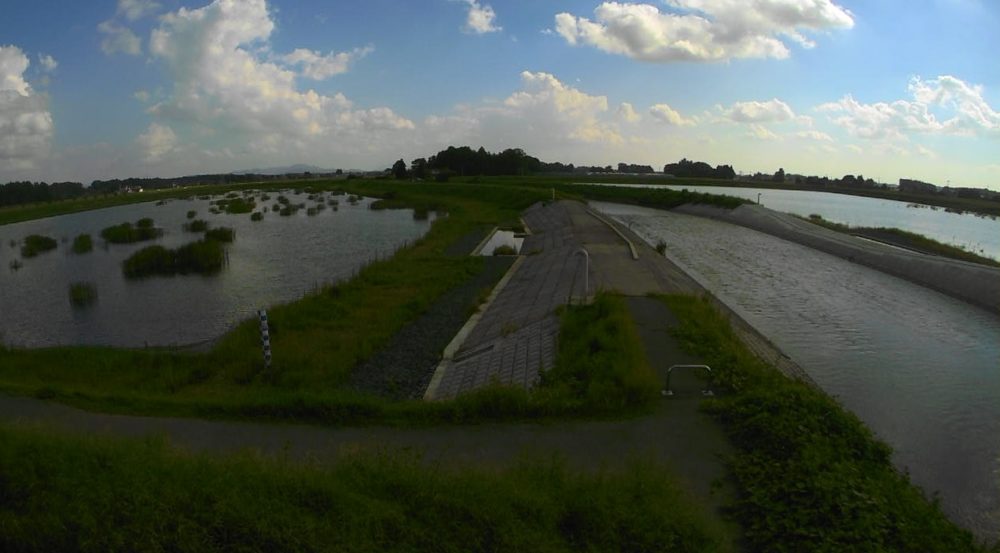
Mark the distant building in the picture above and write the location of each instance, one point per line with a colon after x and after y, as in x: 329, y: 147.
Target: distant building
x: 920, y: 187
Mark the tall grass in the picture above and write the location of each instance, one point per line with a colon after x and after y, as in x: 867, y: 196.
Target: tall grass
x: 202, y: 257
x: 35, y: 244
x: 63, y: 493
x: 83, y: 243
x: 127, y: 233
x: 82, y: 294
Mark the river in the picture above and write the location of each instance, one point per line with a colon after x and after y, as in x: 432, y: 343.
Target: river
x: 977, y: 234
x: 921, y: 369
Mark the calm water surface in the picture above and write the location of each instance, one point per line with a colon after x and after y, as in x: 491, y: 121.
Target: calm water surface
x: 276, y: 260
x: 920, y: 368
x: 976, y: 234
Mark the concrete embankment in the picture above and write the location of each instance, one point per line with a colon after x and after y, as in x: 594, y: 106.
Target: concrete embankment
x: 969, y: 282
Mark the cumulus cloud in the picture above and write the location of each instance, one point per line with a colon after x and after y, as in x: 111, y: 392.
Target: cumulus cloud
x: 627, y: 113
x: 318, y: 67
x: 119, y: 39
x: 141, y: 95
x: 666, y: 114
x: 25, y: 121
x: 137, y: 9
x: 545, y: 100
x: 771, y: 111
x: 703, y: 30
x: 222, y: 81
x: 156, y: 142
x: 480, y: 18
x: 47, y: 62
x: 963, y: 105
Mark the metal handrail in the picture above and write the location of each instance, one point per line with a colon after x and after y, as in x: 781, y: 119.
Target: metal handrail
x: 706, y: 392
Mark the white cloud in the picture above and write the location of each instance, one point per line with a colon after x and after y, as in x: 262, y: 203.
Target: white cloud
x: 771, y: 111
x: 627, y: 113
x: 761, y: 132
x: 119, y: 39
x: 48, y: 63
x: 969, y: 112
x: 480, y: 18
x: 141, y: 95
x: 546, y: 102
x: 818, y: 136
x: 666, y: 114
x: 156, y: 142
x: 319, y: 67
x: 225, y: 86
x: 703, y: 30
x: 25, y: 121
x: 136, y: 9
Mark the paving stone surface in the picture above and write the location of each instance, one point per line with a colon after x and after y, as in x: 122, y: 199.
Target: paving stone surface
x: 516, y: 339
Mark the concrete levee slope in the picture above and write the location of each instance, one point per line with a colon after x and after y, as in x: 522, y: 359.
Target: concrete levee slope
x: 969, y: 282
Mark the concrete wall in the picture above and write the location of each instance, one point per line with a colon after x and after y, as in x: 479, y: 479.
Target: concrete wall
x: 970, y: 282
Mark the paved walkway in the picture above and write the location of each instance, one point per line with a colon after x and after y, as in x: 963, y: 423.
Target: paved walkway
x: 515, y: 340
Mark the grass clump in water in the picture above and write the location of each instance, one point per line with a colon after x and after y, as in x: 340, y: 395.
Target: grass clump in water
x: 257, y: 216
x: 83, y: 243
x: 504, y: 250
x: 191, y: 214
x: 127, y: 233
x: 221, y: 234
x: 202, y: 257
x: 82, y: 294
x: 35, y: 244
x: 237, y: 205
x: 198, y: 225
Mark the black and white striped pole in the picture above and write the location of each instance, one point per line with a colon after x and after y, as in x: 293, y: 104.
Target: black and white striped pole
x: 265, y: 338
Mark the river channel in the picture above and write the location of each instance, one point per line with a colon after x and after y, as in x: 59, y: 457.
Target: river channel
x: 921, y: 369
x: 276, y: 260
x: 978, y: 234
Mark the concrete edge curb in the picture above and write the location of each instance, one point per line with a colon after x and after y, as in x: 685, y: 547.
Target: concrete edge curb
x: 482, y: 243
x: 449, y: 351
x: 631, y: 246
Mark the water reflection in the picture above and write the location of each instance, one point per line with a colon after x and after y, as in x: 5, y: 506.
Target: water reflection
x: 275, y: 260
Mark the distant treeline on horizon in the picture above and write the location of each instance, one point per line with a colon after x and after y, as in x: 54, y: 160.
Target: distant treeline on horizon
x: 462, y: 161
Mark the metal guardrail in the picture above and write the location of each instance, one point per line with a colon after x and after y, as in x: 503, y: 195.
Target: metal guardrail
x: 667, y: 392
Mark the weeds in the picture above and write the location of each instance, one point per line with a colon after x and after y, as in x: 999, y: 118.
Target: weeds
x: 35, y: 244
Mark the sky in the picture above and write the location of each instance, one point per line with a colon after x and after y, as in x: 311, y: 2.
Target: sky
x: 120, y: 88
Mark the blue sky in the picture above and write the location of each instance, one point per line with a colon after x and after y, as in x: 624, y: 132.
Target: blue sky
x: 122, y: 88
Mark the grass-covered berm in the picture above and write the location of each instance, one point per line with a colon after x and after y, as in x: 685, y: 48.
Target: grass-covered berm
x: 62, y: 493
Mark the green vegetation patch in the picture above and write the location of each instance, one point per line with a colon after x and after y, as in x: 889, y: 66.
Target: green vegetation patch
x: 197, y: 225
x: 600, y: 365
x: 811, y: 476
x: 236, y: 205
x: 82, y: 294
x: 257, y: 216
x: 66, y: 493
x: 83, y: 243
x: 221, y: 234
x: 202, y: 257
x: 35, y: 244
x: 127, y: 233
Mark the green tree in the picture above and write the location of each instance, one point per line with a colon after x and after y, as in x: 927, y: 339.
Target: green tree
x: 399, y: 169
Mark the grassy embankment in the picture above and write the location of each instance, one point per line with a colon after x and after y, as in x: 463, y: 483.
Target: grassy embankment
x: 316, y: 341
x: 910, y: 240
x: 71, y: 494
x: 811, y: 476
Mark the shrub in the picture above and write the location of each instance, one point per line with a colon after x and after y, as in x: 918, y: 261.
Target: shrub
x: 504, y: 250
x: 82, y: 244
x: 82, y: 294
x: 36, y: 243
x: 661, y: 247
